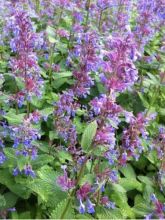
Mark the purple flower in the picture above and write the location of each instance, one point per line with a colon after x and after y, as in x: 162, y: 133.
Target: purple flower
x: 153, y: 198
x: 2, y: 158
x: 78, y: 16
x: 149, y: 216
x: 81, y: 207
x: 131, y: 139
x: 16, y: 171
x: 23, y: 43
x: 113, y: 176
x: 24, y: 135
x: 106, y: 136
x: 1, y: 143
x: 118, y: 71
x: 28, y: 171
x: 16, y: 142
x: 84, y: 190
x: 64, y: 182
x: 12, y: 209
x: 106, y: 106
x: 107, y: 203
x: 90, y: 206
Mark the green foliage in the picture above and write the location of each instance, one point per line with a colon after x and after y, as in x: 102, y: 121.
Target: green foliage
x: 118, y: 195
x: 88, y: 135
x: 2, y: 202
x: 104, y: 213
x: 20, y: 189
x: 13, y: 118
x: 56, y: 214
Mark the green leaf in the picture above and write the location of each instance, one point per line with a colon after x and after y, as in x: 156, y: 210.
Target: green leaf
x: 2, y: 202
x: 19, y: 83
x: 88, y: 178
x: 48, y: 175
x: 79, y: 125
x: 88, y: 136
x: 142, y: 209
x: 103, y: 213
x: 25, y: 215
x: 64, y: 155
x: 11, y: 158
x: 128, y: 171
x: 130, y: 184
x: 11, y: 199
x: 37, y: 103
x: 145, y: 179
x: 148, y: 190
x: 57, y: 212
x: 61, y: 78
x: 42, y: 160
x: 152, y: 157
x: 21, y: 162
x: 144, y: 101
x: 84, y: 216
x: 10, y: 83
x: 118, y: 195
x: 57, y: 76
x: 13, y: 118
x: 41, y: 188
x: 43, y: 146
x: 7, y: 179
x: 47, y: 111
x: 10, y: 153
x: 51, y: 34
x: 52, y: 135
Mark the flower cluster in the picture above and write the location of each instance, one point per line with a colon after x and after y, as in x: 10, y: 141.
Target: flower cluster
x: 24, y: 65
x: 65, y: 108
x: 65, y: 182
x: 132, y: 137
x: 86, y: 52
x: 159, y: 208
x: 146, y: 21
x: 119, y: 72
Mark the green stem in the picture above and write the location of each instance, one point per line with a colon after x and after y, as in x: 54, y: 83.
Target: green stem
x: 28, y: 108
x: 16, y: 108
x: 60, y: 16
x: 53, y: 47
x: 100, y: 20
x: 71, y: 35
x: 38, y: 6
x: 98, y: 195
x: 87, y: 8
x: 51, y: 62
x: 153, y: 100
x: 92, y: 164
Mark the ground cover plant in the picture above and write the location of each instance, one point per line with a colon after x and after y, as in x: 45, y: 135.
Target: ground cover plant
x: 82, y: 106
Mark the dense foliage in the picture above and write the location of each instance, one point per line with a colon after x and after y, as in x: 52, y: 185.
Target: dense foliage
x: 82, y: 96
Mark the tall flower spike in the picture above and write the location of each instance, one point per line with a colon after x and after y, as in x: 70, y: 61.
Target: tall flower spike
x: 24, y: 42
